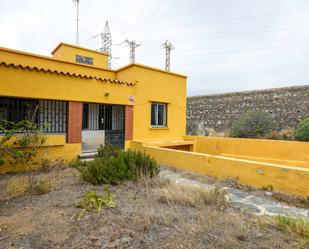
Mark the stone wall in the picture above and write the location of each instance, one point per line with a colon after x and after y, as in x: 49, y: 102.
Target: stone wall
x: 287, y: 105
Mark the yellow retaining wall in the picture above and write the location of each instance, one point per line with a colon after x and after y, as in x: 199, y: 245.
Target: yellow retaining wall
x: 281, y: 152
x: 290, y: 180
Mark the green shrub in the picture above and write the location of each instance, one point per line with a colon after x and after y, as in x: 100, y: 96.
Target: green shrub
x: 114, y: 166
x: 302, y: 130
x: 108, y: 151
x: 252, y: 125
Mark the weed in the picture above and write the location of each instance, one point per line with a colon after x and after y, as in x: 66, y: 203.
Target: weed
x: 290, y: 224
x: 190, y: 196
x: 268, y: 187
x: 42, y: 186
x: 93, y: 202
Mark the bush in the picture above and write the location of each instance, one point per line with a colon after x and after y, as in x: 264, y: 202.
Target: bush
x: 42, y: 186
x: 20, y: 185
x: 108, y: 151
x: 302, y: 130
x: 112, y: 166
x: 21, y: 150
x: 252, y: 125
x: 285, y: 134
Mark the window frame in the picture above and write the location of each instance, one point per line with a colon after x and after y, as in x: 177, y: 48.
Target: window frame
x: 154, y: 106
x: 49, y: 116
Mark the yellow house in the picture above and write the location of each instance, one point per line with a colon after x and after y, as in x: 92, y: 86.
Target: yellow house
x: 81, y: 103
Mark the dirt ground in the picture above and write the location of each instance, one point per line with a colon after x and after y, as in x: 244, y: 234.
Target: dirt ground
x: 140, y: 220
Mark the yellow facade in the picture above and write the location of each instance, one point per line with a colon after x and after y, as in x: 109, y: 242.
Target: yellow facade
x: 61, y: 77
x: 152, y: 86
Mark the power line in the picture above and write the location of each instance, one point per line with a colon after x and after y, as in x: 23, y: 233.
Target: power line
x: 225, y: 20
x: 242, y: 58
x: 218, y: 34
x: 139, y: 14
x: 162, y: 17
x: 153, y: 14
x: 238, y: 50
x: 211, y: 34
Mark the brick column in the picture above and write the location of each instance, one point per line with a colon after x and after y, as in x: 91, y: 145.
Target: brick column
x: 128, y: 123
x: 75, y: 115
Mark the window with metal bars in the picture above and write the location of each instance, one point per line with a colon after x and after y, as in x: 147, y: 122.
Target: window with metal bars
x: 103, y: 117
x: 50, y: 116
x: 158, y: 115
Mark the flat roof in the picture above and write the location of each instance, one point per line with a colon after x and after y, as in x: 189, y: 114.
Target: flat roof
x: 151, y: 68
x: 78, y: 47
x: 84, y: 65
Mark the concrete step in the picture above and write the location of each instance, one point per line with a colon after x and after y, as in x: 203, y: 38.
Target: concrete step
x: 87, y: 155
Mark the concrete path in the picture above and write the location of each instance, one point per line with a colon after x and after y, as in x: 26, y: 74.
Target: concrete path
x: 241, y: 199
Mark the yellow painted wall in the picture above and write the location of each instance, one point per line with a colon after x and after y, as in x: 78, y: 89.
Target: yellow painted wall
x: 156, y: 86
x: 32, y: 84
x: 55, y: 148
x: 289, y: 180
x: 273, y: 151
x: 34, y: 60
x: 68, y: 52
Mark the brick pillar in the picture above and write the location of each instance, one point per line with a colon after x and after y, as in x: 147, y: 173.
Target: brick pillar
x: 75, y: 115
x: 128, y: 123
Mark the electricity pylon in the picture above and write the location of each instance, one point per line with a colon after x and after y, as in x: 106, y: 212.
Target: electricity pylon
x: 106, y: 38
x: 133, y: 45
x: 168, y: 48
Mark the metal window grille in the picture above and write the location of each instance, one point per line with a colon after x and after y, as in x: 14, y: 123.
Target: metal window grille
x: 50, y: 116
x: 158, y: 115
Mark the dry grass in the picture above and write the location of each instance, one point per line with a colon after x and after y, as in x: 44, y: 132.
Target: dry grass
x: 290, y: 224
x: 42, y: 186
x: 285, y: 134
x: 149, y: 213
x: 189, y: 196
x: 19, y: 185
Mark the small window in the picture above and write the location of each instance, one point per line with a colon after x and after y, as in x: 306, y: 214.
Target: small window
x: 84, y: 59
x: 158, y: 115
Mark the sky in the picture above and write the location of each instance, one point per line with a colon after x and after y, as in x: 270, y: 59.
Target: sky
x: 222, y: 45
